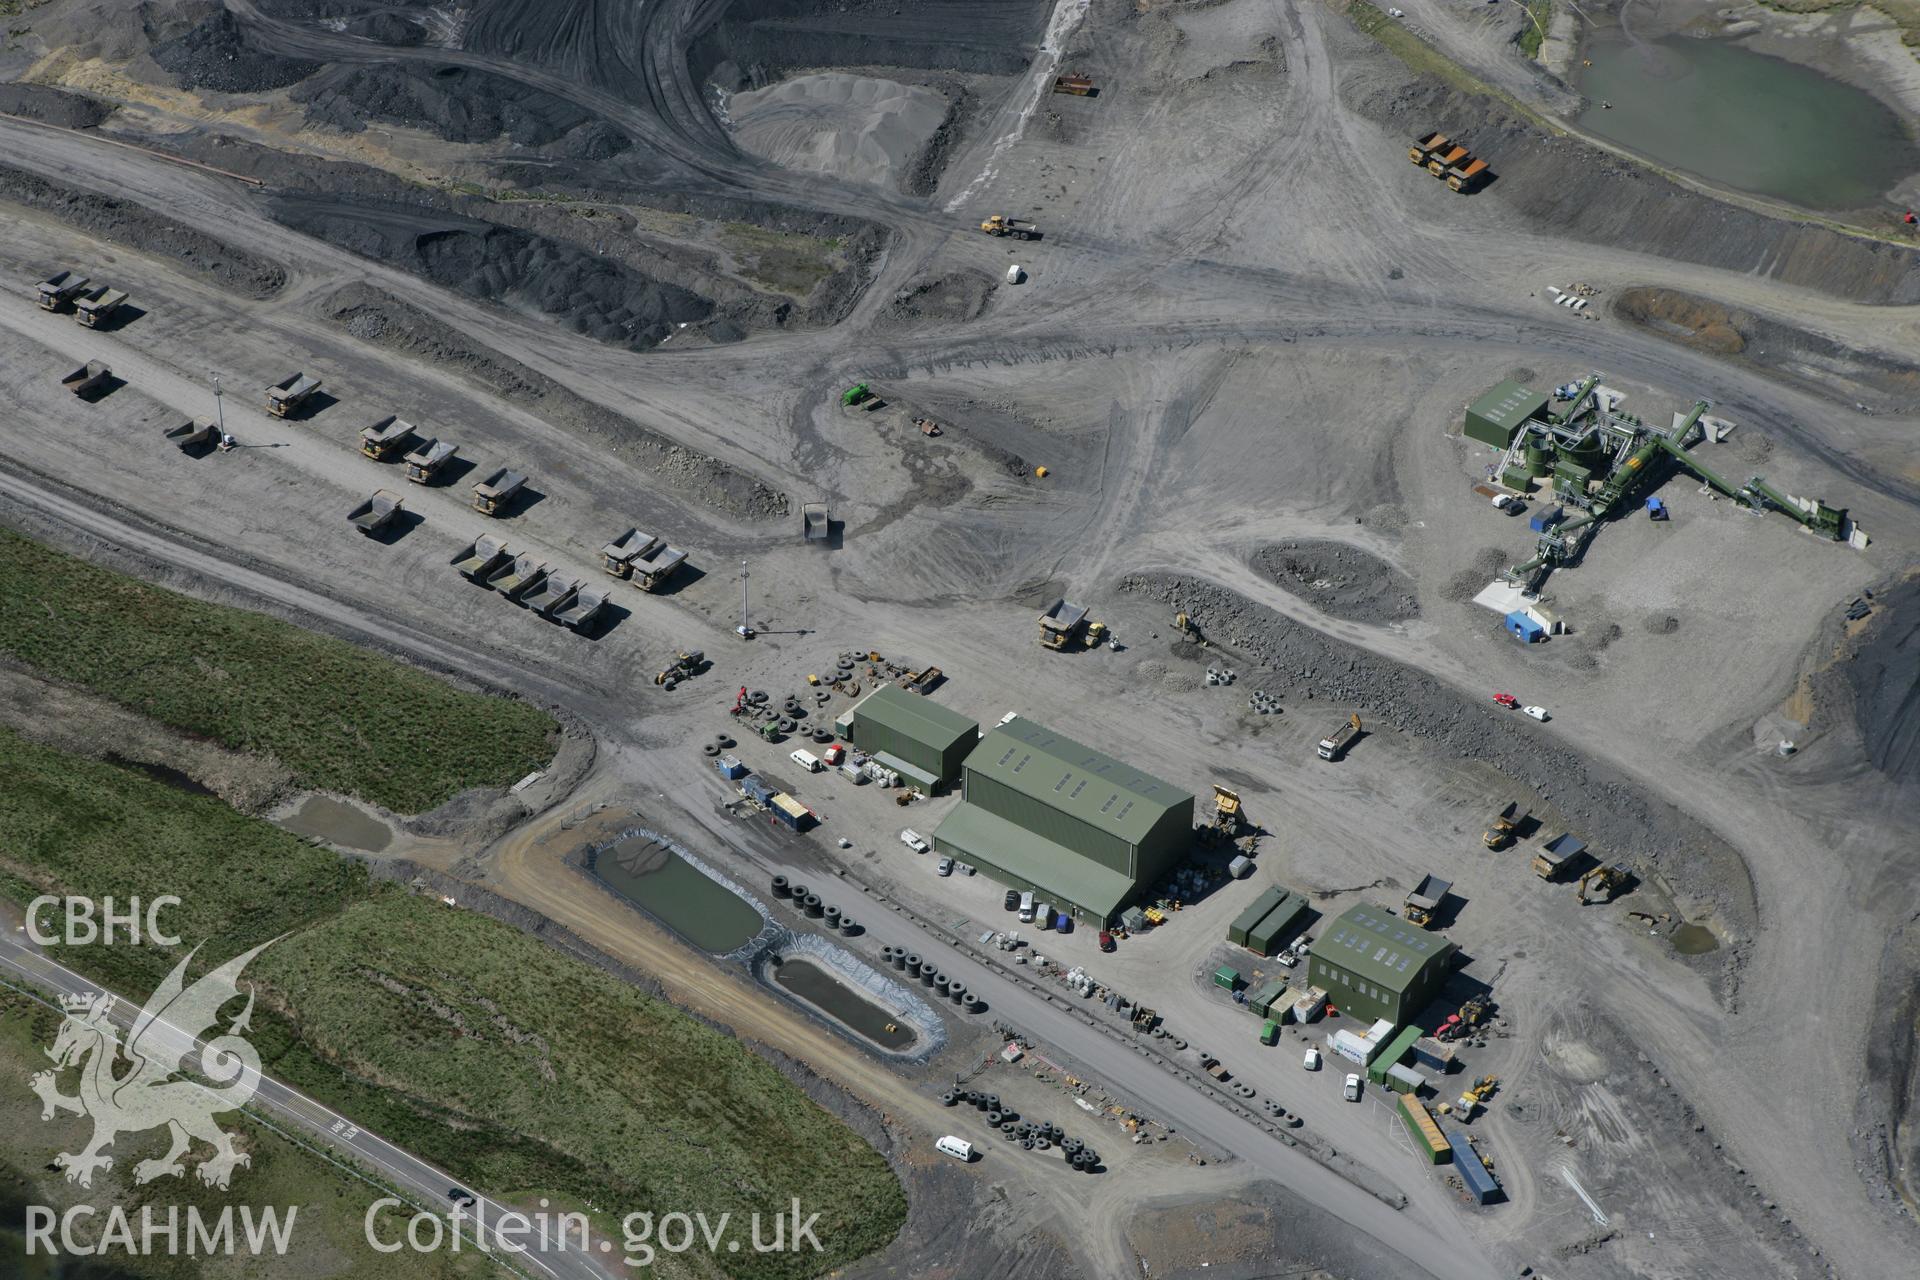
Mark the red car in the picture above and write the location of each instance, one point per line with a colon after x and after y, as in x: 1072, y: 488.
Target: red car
x: 1106, y: 940
x: 1506, y: 700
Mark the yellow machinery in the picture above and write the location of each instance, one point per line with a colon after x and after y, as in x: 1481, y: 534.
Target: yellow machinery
x: 1002, y: 225
x: 1602, y: 884
x: 1226, y: 809
x: 1476, y: 1095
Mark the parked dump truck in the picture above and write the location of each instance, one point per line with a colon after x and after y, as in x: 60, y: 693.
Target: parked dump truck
x: 1226, y: 810
x: 617, y: 557
x: 1001, y: 224
x: 1078, y: 85
x: 288, y: 394
x: 1062, y: 624
x: 89, y: 379
x: 1556, y: 855
x: 492, y: 496
x: 654, y: 567
x: 515, y: 577
x: 1505, y: 825
x: 383, y: 439
x: 97, y: 306
x: 814, y: 524
x: 1445, y: 158
x: 376, y: 513
x: 1423, y: 148
x: 1465, y: 178
x: 192, y: 434
x: 1335, y: 744
x: 482, y: 559
x: 424, y: 463
x: 552, y: 594
x: 60, y: 288
x: 1423, y: 903
x: 581, y: 612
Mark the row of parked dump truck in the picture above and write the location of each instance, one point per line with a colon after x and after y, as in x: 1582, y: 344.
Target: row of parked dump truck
x: 93, y: 305
x: 1449, y: 161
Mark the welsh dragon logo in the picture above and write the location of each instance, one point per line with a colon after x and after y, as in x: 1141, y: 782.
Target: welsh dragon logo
x: 139, y: 1086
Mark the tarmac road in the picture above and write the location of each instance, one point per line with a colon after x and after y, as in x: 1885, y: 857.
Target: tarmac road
x: 419, y: 1183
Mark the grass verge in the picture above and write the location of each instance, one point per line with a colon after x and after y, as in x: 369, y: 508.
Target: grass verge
x: 1534, y: 34
x: 787, y: 262
x: 511, y: 1065
x: 1904, y: 14
x: 341, y: 718
x: 1423, y: 57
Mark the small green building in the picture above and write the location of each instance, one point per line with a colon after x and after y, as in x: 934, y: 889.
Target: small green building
x: 1375, y: 965
x: 1496, y: 417
x: 920, y: 740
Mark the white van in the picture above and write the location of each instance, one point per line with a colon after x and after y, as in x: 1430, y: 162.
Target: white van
x: 958, y: 1148
x: 1043, y: 914
x: 1026, y: 908
x: 914, y: 841
x: 808, y: 761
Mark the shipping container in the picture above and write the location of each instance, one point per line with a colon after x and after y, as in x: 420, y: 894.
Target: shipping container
x: 1279, y: 923
x: 1473, y: 1173
x: 1243, y: 923
x: 1228, y: 978
x: 1433, y: 1054
x: 791, y: 812
x: 730, y: 768
x: 1403, y: 1079
x: 754, y: 788
x: 1427, y: 1138
x: 1392, y: 1054
x: 1349, y: 1046
x: 1265, y: 996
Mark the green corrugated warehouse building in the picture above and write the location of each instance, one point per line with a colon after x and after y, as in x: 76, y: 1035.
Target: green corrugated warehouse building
x: 922, y: 741
x: 1375, y: 965
x: 1496, y: 417
x: 1075, y: 825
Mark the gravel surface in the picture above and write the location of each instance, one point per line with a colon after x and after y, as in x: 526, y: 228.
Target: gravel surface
x: 1341, y: 581
x: 1301, y: 664
x: 377, y: 317
x: 138, y: 227
x: 856, y: 127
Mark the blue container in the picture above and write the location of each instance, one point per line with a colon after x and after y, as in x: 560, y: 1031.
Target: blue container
x: 1523, y: 628
x: 757, y: 790
x: 1545, y: 518
x: 1473, y: 1174
x: 730, y: 768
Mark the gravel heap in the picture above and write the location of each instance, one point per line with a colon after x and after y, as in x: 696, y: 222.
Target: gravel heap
x: 1340, y: 580
x: 217, y: 55
x: 453, y: 102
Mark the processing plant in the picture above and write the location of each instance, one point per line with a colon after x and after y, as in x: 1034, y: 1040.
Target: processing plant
x: 1601, y: 462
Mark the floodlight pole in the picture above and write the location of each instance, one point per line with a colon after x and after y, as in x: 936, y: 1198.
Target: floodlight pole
x: 744, y: 630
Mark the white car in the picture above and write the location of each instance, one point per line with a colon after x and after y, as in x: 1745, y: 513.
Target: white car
x: 1312, y: 1061
x: 1538, y: 713
x: 945, y: 867
x: 1352, y: 1091
x: 1501, y: 501
x: 913, y: 840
